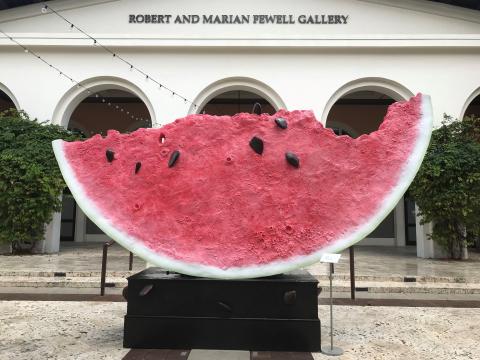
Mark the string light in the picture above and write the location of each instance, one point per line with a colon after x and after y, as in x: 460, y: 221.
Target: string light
x: 46, y: 9
x: 61, y: 73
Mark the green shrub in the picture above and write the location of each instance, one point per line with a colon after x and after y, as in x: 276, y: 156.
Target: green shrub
x: 30, y: 180
x: 447, y: 187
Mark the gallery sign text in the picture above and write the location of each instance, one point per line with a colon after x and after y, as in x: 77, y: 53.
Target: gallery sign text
x: 319, y: 19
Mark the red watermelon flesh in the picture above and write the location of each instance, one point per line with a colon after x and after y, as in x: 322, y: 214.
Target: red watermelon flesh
x: 224, y: 210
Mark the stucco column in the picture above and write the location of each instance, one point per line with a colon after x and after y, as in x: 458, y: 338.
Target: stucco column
x: 51, y: 242
x: 425, y: 247
x: 80, y: 221
x: 400, y: 239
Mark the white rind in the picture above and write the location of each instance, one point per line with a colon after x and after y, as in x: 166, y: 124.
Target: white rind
x: 134, y: 245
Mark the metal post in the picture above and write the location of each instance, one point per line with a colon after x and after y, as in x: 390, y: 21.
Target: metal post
x: 104, y: 266
x: 333, y: 350
x: 331, y: 307
x: 104, y: 269
x: 352, y: 272
x: 130, y: 262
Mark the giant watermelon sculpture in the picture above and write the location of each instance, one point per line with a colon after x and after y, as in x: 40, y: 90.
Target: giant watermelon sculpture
x: 248, y: 195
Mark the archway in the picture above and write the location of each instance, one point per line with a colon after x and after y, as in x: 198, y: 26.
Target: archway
x: 472, y: 106
x: 358, y: 112
x: 361, y: 111
x: 230, y: 87
x: 7, y: 100
x: 236, y: 101
x: 97, y: 86
x: 101, y: 110
x: 109, y: 109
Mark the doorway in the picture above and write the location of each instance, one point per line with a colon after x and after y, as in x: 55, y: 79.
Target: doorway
x: 236, y: 101
x: 96, y: 114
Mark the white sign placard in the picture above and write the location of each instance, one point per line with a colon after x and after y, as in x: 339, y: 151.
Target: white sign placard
x: 330, y: 258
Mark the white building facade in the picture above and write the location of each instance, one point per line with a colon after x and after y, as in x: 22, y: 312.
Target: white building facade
x: 344, y: 59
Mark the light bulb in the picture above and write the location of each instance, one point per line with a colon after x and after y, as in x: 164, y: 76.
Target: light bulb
x: 44, y: 9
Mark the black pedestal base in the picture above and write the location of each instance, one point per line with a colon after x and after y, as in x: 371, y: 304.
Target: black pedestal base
x: 170, y: 311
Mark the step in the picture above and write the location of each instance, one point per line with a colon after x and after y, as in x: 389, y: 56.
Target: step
x: 402, y: 278
x: 391, y: 287
x: 320, y: 277
x: 66, y: 282
x: 60, y: 274
x: 339, y: 286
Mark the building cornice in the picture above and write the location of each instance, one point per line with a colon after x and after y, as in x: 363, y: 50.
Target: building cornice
x: 344, y: 41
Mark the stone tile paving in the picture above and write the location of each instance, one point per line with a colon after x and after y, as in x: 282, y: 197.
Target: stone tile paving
x: 93, y: 330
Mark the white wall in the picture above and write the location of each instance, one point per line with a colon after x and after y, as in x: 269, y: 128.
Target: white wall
x: 426, y: 47
x: 304, y: 79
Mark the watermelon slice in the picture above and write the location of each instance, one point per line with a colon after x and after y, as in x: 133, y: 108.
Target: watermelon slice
x: 248, y: 195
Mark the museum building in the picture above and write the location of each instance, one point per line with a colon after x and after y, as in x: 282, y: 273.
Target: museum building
x: 96, y: 65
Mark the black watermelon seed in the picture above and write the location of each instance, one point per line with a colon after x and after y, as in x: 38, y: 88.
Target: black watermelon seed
x: 257, y: 145
x: 290, y: 297
x: 257, y: 109
x: 281, y: 123
x: 145, y: 290
x: 110, y: 155
x: 138, y: 165
x: 173, y: 158
x: 225, y: 306
x: 292, y: 159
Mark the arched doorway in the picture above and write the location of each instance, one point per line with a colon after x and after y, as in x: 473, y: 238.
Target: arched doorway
x: 361, y: 112
x: 6, y: 102
x: 358, y: 112
x: 236, y: 101
x: 108, y: 109
x: 473, y: 108
x: 234, y: 94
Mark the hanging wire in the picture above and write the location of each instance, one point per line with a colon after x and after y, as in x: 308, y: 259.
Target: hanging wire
x: 78, y: 84
x: 46, y: 9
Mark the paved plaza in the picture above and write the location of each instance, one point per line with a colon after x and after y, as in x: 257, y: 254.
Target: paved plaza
x: 94, y: 330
